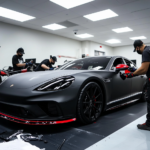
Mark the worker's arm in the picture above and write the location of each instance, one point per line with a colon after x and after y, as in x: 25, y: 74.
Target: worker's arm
x: 45, y: 67
x: 21, y: 65
x: 143, y: 69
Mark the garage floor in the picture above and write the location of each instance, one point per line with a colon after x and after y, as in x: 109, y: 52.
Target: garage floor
x: 79, y: 137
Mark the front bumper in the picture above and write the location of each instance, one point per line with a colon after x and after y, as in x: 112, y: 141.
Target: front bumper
x: 30, y: 122
x: 32, y: 107
x: 33, y: 114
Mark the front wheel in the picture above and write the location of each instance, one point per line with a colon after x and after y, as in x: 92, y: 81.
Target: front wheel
x: 90, y: 103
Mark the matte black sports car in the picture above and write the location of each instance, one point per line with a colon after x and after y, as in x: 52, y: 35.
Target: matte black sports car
x: 79, y: 90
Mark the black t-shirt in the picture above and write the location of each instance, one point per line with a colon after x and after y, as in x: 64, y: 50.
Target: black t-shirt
x: 146, y: 58
x: 46, y: 62
x: 17, y: 60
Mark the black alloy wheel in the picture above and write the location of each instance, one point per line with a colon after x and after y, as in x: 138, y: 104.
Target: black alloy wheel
x: 0, y: 79
x: 90, y: 103
x: 144, y: 94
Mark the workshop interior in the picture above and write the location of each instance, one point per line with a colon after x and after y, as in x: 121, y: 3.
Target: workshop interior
x: 74, y: 75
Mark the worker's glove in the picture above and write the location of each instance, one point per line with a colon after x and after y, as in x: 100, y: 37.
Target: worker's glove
x: 123, y: 76
x: 29, y: 64
x: 51, y: 68
x: 132, y: 69
x: 129, y: 75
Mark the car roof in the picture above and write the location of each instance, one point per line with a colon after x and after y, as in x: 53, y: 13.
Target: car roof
x: 102, y: 57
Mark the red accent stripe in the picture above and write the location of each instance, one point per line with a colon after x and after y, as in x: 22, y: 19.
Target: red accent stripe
x: 29, y: 122
x: 24, y: 70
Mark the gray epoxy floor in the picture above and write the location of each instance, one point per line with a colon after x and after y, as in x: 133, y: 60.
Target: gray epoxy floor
x: 127, y: 138
x: 78, y: 136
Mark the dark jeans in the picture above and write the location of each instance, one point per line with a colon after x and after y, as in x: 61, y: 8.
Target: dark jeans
x: 148, y: 104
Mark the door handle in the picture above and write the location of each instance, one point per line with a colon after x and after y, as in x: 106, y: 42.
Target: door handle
x: 142, y: 76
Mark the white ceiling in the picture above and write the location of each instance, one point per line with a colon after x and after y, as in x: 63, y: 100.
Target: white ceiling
x: 134, y: 14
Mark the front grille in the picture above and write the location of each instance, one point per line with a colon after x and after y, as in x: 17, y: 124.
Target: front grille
x: 15, y: 111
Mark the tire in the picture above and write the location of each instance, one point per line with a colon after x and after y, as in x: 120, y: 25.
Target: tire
x: 90, y: 103
x: 143, y: 97
x: 0, y: 79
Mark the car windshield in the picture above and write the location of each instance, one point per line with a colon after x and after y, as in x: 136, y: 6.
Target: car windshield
x: 93, y: 63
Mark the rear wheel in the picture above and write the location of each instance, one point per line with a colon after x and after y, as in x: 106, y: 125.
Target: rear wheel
x: 0, y: 79
x: 144, y: 94
x: 90, y: 103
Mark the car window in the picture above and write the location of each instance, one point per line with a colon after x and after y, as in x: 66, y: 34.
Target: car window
x: 117, y: 62
x: 129, y: 63
x: 92, y: 63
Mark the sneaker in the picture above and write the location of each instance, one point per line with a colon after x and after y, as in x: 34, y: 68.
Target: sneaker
x: 143, y: 126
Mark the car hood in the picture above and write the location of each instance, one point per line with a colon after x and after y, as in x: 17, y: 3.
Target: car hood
x: 27, y: 80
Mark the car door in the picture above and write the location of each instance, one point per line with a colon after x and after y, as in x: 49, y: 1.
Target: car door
x: 121, y: 89
x: 137, y: 82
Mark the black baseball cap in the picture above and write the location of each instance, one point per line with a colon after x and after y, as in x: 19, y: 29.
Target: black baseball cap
x: 137, y: 43
x: 54, y: 58
x: 20, y: 50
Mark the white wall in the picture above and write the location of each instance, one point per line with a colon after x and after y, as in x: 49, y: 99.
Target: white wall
x: 89, y: 47
x: 127, y: 51
x: 39, y: 45
x: 96, y: 46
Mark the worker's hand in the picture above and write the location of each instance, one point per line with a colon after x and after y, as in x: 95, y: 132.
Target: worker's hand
x: 129, y: 75
x: 132, y: 69
x: 51, y: 68
x: 123, y: 76
x: 29, y: 64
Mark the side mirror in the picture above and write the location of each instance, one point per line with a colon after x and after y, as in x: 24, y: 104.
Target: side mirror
x: 121, y: 67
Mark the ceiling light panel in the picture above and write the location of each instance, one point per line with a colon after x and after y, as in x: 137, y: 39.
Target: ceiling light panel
x: 70, y: 3
x: 105, y: 14
x: 121, y: 30
x: 139, y: 37
x: 54, y: 26
x: 11, y: 14
x: 113, y: 41
x: 84, y: 35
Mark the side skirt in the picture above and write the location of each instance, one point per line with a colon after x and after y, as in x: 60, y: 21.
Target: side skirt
x: 120, y: 105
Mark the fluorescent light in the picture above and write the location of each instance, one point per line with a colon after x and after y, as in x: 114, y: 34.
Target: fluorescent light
x: 137, y: 38
x: 105, y: 14
x: 113, y: 41
x: 84, y: 35
x: 70, y: 3
x: 121, y: 30
x: 11, y: 14
x: 54, y: 26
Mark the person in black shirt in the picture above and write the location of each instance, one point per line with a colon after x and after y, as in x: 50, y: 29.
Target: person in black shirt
x: 46, y: 64
x: 17, y: 60
x: 143, y: 50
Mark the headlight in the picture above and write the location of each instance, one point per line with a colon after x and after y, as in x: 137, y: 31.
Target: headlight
x: 57, y: 84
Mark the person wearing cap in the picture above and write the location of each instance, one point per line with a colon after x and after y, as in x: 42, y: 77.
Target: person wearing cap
x: 46, y: 64
x: 143, y: 50
x: 17, y: 60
